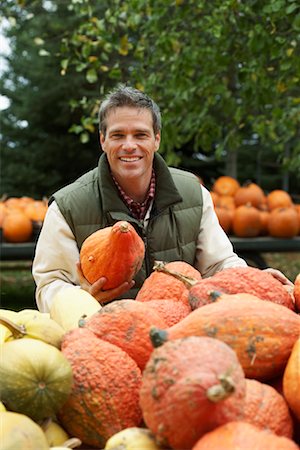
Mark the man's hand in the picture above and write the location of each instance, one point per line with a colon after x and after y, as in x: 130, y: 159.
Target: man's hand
x: 96, y: 291
x: 287, y: 284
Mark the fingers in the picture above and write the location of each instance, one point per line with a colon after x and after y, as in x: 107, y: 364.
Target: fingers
x: 279, y: 276
x: 106, y: 296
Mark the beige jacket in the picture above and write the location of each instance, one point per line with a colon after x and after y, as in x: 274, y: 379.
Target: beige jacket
x: 54, y: 265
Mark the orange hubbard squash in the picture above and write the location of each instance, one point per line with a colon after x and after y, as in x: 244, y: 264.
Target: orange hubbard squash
x: 126, y: 324
x: 239, y: 435
x: 291, y: 380
x: 261, y: 401
x: 161, y: 286
x: 249, y: 280
x: 105, y: 394
x: 170, y: 310
x: 189, y: 387
x: 262, y: 333
x: 115, y: 252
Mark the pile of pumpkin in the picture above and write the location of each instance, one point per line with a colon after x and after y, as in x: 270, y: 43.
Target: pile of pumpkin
x: 21, y: 218
x: 191, y: 363
x: 246, y: 211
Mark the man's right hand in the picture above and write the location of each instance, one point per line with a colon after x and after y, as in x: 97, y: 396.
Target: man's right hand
x: 96, y: 290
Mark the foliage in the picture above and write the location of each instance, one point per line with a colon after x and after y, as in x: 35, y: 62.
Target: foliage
x: 225, y: 73
x: 37, y: 150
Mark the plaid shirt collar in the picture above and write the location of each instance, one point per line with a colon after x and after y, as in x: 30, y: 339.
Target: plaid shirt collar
x: 138, y: 210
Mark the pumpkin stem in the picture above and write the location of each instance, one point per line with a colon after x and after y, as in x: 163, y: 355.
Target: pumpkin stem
x: 158, y: 337
x: 72, y: 443
x: 221, y: 391
x: 160, y: 266
x: 18, y: 331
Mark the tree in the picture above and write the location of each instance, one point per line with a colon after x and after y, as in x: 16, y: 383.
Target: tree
x: 38, y: 153
x: 225, y: 73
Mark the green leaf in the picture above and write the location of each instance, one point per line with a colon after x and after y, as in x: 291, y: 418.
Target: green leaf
x: 91, y: 76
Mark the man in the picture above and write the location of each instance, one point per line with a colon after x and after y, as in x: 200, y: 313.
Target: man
x: 169, y: 208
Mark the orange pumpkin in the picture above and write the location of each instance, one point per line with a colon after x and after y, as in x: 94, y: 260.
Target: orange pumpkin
x: 291, y: 380
x: 126, y: 324
x: 246, y: 221
x: 261, y: 333
x: 36, y: 210
x: 225, y: 185
x: 260, y: 403
x: 249, y: 193
x: 105, y: 394
x: 241, y: 435
x: 116, y: 253
x: 278, y: 198
x: 160, y: 285
x: 225, y: 218
x: 16, y: 227
x: 189, y: 387
x: 283, y: 222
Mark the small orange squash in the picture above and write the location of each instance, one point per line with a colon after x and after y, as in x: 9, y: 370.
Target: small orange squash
x: 115, y: 252
x: 261, y: 402
x: 261, y: 333
x: 241, y: 435
x: 291, y: 380
x: 283, y: 222
x: 250, y: 193
x: 246, y: 221
x: 278, y: 198
x: 105, y: 395
x: 225, y: 185
x: 189, y: 387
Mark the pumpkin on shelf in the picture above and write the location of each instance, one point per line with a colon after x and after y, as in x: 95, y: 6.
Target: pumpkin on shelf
x: 115, y: 252
x: 249, y: 193
x: 260, y: 403
x: 283, y: 222
x: 239, y: 435
x: 278, y: 198
x: 246, y: 221
x: 225, y: 185
x: 16, y: 227
x: 189, y: 387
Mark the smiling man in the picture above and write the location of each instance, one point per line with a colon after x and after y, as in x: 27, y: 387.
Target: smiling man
x: 169, y: 208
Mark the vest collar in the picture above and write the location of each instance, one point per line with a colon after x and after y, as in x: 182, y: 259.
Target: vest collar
x: 166, y: 193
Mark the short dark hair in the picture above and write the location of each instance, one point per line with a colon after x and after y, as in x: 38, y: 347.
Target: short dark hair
x: 124, y: 95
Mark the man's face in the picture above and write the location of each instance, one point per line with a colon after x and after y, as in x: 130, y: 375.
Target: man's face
x: 130, y: 143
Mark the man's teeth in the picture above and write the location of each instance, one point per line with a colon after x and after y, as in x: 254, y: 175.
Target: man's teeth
x: 130, y: 159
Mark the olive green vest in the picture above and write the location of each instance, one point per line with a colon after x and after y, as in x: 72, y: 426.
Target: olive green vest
x: 92, y: 202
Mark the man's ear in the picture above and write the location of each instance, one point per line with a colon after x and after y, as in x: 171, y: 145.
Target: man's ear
x: 102, y: 141
x: 157, y: 141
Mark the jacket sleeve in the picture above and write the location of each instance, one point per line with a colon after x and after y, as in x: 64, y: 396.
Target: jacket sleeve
x: 214, y: 249
x: 56, y: 254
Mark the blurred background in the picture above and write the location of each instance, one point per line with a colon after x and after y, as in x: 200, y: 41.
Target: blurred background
x: 226, y: 75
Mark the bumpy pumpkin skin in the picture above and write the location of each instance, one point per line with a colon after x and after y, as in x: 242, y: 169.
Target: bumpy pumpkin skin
x: 266, y: 408
x: 160, y: 285
x: 175, y: 396
x: 262, y: 333
x: 243, y: 435
x: 116, y: 253
x: 249, y: 280
x: 126, y: 323
x: 171, y: 311
x: 105, y: 394
x: 296, y: 293
x: 291, y: 380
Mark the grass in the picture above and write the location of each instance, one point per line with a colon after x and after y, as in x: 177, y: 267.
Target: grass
x: 17, y: 285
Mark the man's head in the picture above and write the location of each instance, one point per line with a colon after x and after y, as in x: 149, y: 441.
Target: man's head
x: 125, y: 96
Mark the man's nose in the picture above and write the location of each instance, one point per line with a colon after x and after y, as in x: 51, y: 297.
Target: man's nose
x: 129, y: 143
